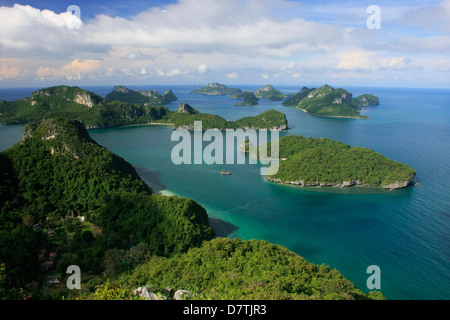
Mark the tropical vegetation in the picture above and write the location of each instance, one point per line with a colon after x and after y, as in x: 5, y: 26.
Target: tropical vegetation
x: 216, y: 89
x: 61, y: 192
x: 269, y: 92
x: 325, y: 162
x: 65, y: 200
x: 95, y: 112
x: 248, y: 97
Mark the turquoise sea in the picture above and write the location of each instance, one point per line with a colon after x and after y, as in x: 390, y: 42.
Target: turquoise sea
x: 405, y: 232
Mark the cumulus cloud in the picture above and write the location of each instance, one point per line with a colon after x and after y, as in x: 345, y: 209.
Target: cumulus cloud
x: 357, y: 60
x: 247, y: 27
x: 9, y: 70
x: 137, y: 55
x: 72, y: 70
x: 169, y: 73
x: 368, y: 61
x: 202, y: 69
x: 208, y: 38
x: 232, y: 75
x: 28, y: 28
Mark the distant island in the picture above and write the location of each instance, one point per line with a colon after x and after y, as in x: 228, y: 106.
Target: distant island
x: 96, y: 112
x: 268, y: 92
x: 65, y: 200
x: 249, y: 98
x: 329, y: 102
x: 147, y: 97
x: 321, y: 162
x: 185, y: 116
x: 216, y: 89
x: 325, y: 101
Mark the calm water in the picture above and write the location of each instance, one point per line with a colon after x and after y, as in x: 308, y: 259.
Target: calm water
x: 405, y: 232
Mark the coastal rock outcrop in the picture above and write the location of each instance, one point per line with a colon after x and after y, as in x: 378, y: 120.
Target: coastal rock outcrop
x: 121, y: 89
x: 186, y: 108
x: 84, y: 98
x: 144, y: 293
x: 344, y: 98
x: 179, y: 294
x: 397, y: 185
x: 344, y: 184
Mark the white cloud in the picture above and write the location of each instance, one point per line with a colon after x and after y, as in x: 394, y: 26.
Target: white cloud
x: 137, y: 55
x: 232, y: 75
x: 169, y: 73
x: 210, y: 38
x: 27, y: 28
x: 357, y: 60
x: 72, y: 70
x: 244, y: 27
x: 202, y: 69
x: 9, y: 70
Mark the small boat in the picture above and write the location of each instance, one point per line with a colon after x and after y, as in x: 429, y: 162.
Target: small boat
x: 225, y: 172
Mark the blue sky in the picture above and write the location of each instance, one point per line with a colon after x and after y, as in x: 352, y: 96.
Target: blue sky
x: 229, y: 41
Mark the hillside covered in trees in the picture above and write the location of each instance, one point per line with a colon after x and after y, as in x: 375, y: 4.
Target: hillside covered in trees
x: 63, y: 193
x: 243, y: 270
x: 144, y: 97
x: 329, y: 102
x: 65, y: 200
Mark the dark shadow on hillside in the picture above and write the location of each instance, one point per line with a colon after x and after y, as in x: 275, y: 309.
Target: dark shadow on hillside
x: 222, y: 228
x: 151, y: 178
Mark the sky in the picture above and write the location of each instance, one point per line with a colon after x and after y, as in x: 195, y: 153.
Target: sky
x: 304, y: 43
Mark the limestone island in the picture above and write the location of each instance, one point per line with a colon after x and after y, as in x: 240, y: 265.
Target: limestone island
x: 216, y: 89
x: 185, y: 116
x: 144, y: 97
x: 329, y: 102
x: 268, y: 92
x: 248, y: 97
x: 322, y: 162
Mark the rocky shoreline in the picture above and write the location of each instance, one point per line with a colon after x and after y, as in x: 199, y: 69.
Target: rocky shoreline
x: 329, y: 116
x: 344, y: 184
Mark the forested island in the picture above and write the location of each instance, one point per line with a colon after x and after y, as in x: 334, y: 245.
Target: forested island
x: 322, y: 162
x: 248, y: 97
x: 216, y: 89
x: 185, y: 116
x: 293, y: 100
x: 144, y: 97
x: 329, y: 102
x: 325, y: 101
x: 269, y: 92
x: 65, y: 200
x: 133, y: 107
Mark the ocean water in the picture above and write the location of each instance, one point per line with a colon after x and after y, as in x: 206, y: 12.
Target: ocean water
x: 404, y: 232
